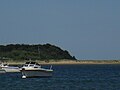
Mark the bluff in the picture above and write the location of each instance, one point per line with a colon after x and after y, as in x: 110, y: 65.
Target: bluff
x: 33, y: 52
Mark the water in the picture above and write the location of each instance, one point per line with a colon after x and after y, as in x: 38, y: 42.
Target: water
x: 67, y: 77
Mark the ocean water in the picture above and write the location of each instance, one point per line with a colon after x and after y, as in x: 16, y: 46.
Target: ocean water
x: 67, y: 77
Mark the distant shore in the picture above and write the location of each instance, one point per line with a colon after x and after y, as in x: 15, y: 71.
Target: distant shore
x: 68, y: 62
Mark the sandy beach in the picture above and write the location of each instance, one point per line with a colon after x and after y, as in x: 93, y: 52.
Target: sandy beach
x: 69, y: 62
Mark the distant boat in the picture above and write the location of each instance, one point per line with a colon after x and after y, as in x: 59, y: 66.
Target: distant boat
x: 33, y: 69
x: 8, y: 68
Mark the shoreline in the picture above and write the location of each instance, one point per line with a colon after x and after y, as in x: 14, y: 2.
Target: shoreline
x: 67, y: 62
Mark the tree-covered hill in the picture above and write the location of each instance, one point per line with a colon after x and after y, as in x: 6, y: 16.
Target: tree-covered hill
x: 33, y: 52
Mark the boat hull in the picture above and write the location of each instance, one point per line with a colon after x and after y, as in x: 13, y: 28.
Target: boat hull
x: 11, y: 69
x: 2, y: 71
x: 36, y: 73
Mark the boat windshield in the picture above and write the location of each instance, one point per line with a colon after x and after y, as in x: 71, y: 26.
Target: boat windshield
x: 33, y: 63
x: 26, y: 65
x: 27, y: 62
x: 5, y: 64
x: 37, y: 64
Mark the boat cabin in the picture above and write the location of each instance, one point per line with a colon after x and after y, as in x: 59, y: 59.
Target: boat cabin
x: 32, y: 64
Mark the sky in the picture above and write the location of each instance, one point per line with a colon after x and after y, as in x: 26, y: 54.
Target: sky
x: 88, y: 29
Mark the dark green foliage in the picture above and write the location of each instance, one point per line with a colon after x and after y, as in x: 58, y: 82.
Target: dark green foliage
x: 34, y: 52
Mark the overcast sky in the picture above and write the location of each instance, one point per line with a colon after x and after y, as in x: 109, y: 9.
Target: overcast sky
x: 88, y: 29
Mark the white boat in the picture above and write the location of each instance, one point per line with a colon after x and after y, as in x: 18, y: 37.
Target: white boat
x: 8, y: 68
x: 2, y: 71
x: 33, y: 69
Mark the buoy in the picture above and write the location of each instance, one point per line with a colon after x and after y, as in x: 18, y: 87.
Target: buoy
x: 23, y: 76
